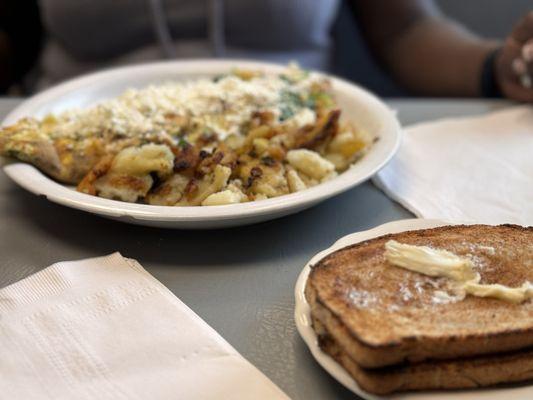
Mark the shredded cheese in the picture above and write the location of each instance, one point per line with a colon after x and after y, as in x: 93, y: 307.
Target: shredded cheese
x: 222, y: 106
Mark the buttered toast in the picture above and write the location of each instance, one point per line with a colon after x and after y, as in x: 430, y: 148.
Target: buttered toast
x: 381, y: 315
x: 465, y: 373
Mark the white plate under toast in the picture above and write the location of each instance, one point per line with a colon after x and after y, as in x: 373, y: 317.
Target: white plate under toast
x: 358, y: 105
x: 302, y: 316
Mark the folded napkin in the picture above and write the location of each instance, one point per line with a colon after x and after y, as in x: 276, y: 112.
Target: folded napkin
x: 103, y: 328
x: 466, y: 169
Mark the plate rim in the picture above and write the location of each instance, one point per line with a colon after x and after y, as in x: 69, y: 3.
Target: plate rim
x: 31, y: 179
x: 303, y: 323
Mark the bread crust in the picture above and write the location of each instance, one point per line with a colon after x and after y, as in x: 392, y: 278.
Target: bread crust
x: 391, y: 331
x: 466, y: 373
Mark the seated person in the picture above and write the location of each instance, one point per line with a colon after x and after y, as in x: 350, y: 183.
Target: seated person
x: 422, y: 50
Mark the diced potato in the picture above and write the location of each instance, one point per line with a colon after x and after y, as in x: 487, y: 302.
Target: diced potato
x: 274, y: 186
x: 346, y: 144
x: 168, y: 192
x: 123, y: 187
x: 260, y: 132
x: 208, y: 185
x: 260, y: 145
x: 337, y: 160
x: 235, y: 141
x: 139, y: 161
x: 236, y: 187
x: 309, y: 182
x: 331, y: 175
x: 295, y: 182
x: 221, y: 198
x: 310, y: 163
x: 272, y: 182
x: 221, y: 176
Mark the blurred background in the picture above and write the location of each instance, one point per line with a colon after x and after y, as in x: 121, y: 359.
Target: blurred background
x: 46, y: 41
x: 491, y: 18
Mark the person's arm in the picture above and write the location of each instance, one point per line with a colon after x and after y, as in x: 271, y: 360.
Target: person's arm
x: 423, y: 50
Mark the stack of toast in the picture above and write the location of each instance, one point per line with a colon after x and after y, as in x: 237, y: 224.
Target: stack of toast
x: 397, y: 330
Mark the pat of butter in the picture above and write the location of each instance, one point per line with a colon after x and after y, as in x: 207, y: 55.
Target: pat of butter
x: 428, y: 261
x: 442, y: 263
x: 502, y: 292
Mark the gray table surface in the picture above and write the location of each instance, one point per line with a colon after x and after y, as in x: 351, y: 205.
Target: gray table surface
x: 239, y: 280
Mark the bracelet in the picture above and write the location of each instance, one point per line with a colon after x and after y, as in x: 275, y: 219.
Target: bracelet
x: 489, y: 86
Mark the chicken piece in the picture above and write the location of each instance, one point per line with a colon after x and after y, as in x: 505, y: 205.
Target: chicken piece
x: 67, y: 159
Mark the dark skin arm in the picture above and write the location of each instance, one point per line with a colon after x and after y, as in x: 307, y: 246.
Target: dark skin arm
x: 431, y: 55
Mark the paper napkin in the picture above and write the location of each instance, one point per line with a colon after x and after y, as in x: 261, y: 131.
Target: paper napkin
x: 466, y: 169
x: 103, y: 328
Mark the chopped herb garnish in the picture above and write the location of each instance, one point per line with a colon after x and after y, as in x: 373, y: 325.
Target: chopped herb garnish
x: 291, y: 98
x: 285, y: 78
x: 290, y: 104
x: 319, y: 100
x: 294, y: 78
x: 286, y: 113
x: 183, y: 143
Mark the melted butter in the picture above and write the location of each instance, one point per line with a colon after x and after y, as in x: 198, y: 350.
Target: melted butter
x: 442, y: 263
x: 502, y: 292
x: 428, y: 261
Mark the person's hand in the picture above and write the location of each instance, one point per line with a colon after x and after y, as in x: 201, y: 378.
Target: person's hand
x: 514, y: 63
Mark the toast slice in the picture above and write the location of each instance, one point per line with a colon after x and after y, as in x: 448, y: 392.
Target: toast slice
x: 384, y: 315
x: 466, y: 373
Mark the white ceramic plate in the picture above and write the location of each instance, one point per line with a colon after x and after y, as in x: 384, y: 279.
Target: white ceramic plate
x: 357, y: 104
x: 303, y: 323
